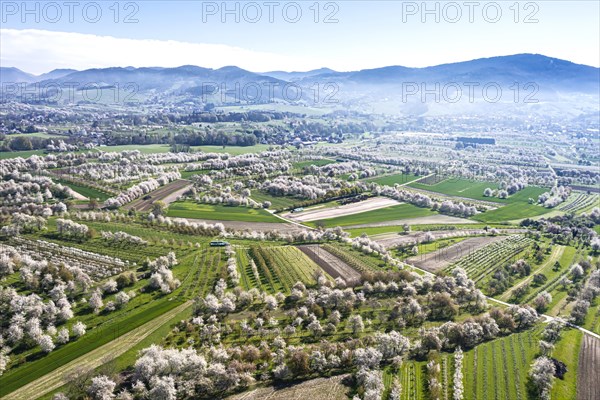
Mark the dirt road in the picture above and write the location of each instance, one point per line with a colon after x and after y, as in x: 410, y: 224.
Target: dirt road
x: 166, y: 194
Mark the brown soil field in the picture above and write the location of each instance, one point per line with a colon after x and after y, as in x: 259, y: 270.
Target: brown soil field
x: 394, y: 239
x: 588, y: 370
x: 331, y: 264
x: 314, y: 389
x: 429, y: 220
x: 167, y: 194
x: 441, y: 258
x: 371, y: 204
x: 252, y: 226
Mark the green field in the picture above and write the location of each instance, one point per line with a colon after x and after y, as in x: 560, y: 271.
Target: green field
x: 279, y: 268
x: 511, y: 212
x: 319, y: 163
x: 233, y: 150
x: 277, y: 202
x: 14, y: 154
x: 391, y: 180
x: 189, y: 174
x: 218, y: 212
x: 143, y: 148
x: 498, y: 369
x: 567, y: 351
x: 400, y: 211
x: 474, y: 190
x: 86, y: 191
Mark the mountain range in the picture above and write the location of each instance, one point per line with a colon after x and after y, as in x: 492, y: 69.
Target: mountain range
x: 548, y: 77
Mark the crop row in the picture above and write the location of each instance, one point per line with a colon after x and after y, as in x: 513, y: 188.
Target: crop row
x: 278, y: 268
x: 350, y: 259
x: 579, y: 201
x: 502, y: 365
x: 97, y: 266
x: 269, y: 271
x: 483, y: 261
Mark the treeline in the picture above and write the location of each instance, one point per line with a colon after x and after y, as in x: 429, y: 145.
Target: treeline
x: 20, y: 143
x: 200, y: 138
x: 212, y: 117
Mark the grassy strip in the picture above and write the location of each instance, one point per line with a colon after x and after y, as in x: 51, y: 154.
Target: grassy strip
x: 14, y: 379
x: 400, y: 211
x: 567, y: 351
x: 219, y: 212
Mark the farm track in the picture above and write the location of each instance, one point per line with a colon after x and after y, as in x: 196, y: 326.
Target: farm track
x: 588, y: 370
x: 94, y: 358
x: 556, y: 254
x: 166, y: 193
x: 331, y: 264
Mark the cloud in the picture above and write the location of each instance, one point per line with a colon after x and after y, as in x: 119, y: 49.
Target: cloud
x: 38, y: 51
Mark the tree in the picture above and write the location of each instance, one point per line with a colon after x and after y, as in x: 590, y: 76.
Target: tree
x: 163, y: 388
x: 442, y: 306
x: 93, y: 204
x: 102, y: 388
x: 158, y: 208
x: 271, y: 302
x: 577, y: 272
x: 95, y: 301
x: 542, y: 301
x: 356, y: 324
x: 63, y: 336
x: 121, y: 299
x: 299, y: 363
x: 542, y: 376
x: 396, y: 390
x: 458, y: 392
x: 46, y: 343
x: 78, y: 329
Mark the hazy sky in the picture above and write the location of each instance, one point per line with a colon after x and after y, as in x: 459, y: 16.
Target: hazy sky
x: 282, y: 35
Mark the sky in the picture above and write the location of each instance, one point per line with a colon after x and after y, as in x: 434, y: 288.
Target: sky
x: 294, y: 36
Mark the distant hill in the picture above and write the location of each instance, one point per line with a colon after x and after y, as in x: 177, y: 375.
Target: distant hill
x: 549, y: 73
x: 556, y: 85
x: 55, y: 74
x: 295, y: 76
x: 13, y: 75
